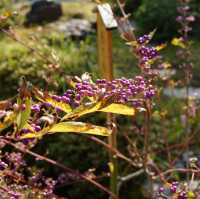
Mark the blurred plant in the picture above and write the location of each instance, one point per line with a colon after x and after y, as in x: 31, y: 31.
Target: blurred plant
x: 38, y: 113
x: 188, y: 112
x: 34, y: 113
x: 184, y: 54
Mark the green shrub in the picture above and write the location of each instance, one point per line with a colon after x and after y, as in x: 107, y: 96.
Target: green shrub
x: 160, y: 14
x: 16, y: 61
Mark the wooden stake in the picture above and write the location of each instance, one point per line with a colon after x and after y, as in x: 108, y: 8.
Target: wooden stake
x: 104, y: 49
x: 105, y: 22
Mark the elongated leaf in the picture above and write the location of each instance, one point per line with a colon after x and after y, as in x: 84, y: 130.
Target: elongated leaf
x: 44, y: 97
x: 87, y: 108
x: 152, y: 33
x: 80, y: 127
x: 61, y: 105
x: 8, y: 121
x: 119, y: 109
x: 161, y: 46
x: 24, y: 115
x: 71, y: 127
x: 178, y: 42
x: 39, y: 134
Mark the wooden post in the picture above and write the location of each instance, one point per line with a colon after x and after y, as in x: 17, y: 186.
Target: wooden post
x: 105, y: 24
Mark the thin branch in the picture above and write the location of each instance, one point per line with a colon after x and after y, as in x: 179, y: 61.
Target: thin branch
x: 180, y: 170
x: 128, y: 177
x: 113, y: 150
x: 53, y: 162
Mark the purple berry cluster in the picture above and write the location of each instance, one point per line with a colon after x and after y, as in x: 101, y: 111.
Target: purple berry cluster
x: 172, y: 190
x: 120, y: 90
x: 16, y: 179
x: 3, y: 165
x: 146, y: 54
x: 36, y: 108
x: 143, y: 39
x: 185, y: 18
x: 15, y: 159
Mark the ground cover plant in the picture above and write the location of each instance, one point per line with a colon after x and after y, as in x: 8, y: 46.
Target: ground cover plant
x: 157, y: 136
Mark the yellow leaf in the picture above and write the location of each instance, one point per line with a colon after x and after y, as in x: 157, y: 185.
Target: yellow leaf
x: 166, y: 65
x: 80, y: 127
x: 8, y: 120
x: 46, y: 98
x: 86, y: 108
x: 132, y: 43
x: 190, y: 195
x: 119, y: 109
x: 39, y: 134
x: 178, y: 42
x: 71, y: 127
x: 152, y: 33
x: 7, y: 14
x: 161, y: 46
x: 111, y: 167
x: 63, y: 106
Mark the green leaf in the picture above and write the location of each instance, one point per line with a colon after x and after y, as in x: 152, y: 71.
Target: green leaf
x: 119, y: 109
x: 71, y: 127
x: 23, y: 116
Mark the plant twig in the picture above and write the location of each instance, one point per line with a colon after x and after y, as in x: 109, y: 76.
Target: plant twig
x: 127, y: 178
x: 53, y: 162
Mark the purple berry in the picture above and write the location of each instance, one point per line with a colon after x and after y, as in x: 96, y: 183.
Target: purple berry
x: 58, y: 109
x: 35, y: 108
x: 173, y: 189
x: 37, y: 128
x: 65, y: 99
x: 182, y: 195
x: 23, y: 107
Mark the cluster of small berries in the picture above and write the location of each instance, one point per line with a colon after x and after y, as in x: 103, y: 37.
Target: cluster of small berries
x: 120, y: 90
x: 174, y: 190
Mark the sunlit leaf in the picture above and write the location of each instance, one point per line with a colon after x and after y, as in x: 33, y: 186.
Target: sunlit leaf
x: 111, y: 167
x: 86, y: 109
x: 80, y: 127
x: 152, y: 33
x: 7, y: 14
x: 178, y: 42
x: 166, y: 65
x: 119, y: 109
x: 44, y: 97
x: 132, y: 43
x: 86, y: 77
x: 161, y: 46
x: 71, y: 127
x: 8, y: 121
x: 39, y: 134
x: 61, y: 105
x: 23, y: 115
x: 191, y: 195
